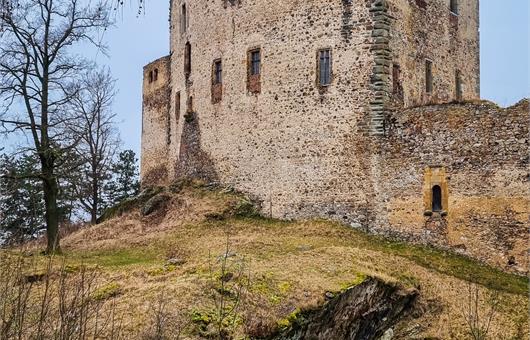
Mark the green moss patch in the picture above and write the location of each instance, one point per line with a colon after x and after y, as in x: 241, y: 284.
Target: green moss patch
x: 107, y: 291
x: 117, y: 258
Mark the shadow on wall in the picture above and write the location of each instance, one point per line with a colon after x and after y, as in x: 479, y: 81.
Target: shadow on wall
x: 193, y: 162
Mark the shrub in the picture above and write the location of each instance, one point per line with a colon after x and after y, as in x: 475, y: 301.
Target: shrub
x: 57, y: 304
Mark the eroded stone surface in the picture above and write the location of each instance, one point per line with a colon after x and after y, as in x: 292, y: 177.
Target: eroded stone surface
x: 366, y: 312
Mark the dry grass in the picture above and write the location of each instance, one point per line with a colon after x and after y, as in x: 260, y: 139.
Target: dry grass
x: 292, y: 265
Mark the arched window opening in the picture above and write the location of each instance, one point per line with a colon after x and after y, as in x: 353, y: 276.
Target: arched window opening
x: 437, y: 198
x: 150, y: 77
x: 155, y: 77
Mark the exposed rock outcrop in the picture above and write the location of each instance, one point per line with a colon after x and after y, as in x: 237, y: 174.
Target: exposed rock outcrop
x: 365, y: 312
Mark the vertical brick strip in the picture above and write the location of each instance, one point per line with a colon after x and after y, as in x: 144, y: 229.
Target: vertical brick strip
x: 380, y: 79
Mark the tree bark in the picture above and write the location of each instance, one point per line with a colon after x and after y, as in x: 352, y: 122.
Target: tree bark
x: 95, y: 201
x: 51, y: 192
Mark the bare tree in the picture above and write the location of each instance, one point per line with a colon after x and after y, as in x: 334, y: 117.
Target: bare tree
x: 99, y: 139
x: 57, y: 303
x: 165, y: 322
x: 478, y: 323
x: 39, y: 77
x: 6, y: 6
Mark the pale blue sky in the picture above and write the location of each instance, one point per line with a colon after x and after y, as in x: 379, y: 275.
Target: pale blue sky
x: 138, y: 40
x: 505, y: 37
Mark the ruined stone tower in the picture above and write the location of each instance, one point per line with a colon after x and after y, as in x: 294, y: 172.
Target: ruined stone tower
x: 301, y: 105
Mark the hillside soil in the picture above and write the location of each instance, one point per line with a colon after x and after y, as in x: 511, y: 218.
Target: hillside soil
x: 274, y: 270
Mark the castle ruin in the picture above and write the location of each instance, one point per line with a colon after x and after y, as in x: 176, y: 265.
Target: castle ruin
x: 340, y: 109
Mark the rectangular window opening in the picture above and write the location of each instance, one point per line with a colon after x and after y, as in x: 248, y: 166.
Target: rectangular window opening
x: 254, y: 71
x: 255, y: 62
x: 217, y: 81
x: 396, y: 81
x: 428, y: 76
x: 454, y: 6
x: 184, y: 19
x: 187, y: 60
x: 218, y: 72
x: 324, y: 67
x: 177, y: 107
x: 189, y: 108
x: 458, y: 84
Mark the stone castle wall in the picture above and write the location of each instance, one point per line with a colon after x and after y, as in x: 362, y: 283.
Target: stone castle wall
x: 345, y: 151
x: 428, y: 30
x: 286, y: 145
x: 482, y: 151
x: 283, y: 145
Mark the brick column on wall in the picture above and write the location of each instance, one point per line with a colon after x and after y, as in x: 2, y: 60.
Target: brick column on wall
x: 380, y: 79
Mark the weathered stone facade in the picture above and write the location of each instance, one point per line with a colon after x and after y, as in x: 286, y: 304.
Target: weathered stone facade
x: 483, y: 150
x: 343, y: 149
x: 156, y: 123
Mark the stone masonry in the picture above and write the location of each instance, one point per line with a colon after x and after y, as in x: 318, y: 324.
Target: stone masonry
x: 241, y: 101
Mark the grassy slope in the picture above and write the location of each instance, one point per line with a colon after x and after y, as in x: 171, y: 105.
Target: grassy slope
x: 292, y: 265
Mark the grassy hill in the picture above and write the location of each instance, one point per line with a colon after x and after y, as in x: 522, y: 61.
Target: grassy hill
x: 285, y: 267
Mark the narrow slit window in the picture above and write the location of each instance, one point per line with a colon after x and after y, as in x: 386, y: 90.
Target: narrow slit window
x: 437, y: 198
x: 454, y: 6
x: 428, y: 76
x: 189, y: 109
x: 255, y: 62
x: 254, y: 71
x: 187, y: 59
x: 396, y: 81
x: 324, y: 67
x: 184, y: 19
x: 168, y: 128
x: 458, y: 84
x: 150, y: 77
x: 155, y: 76
x: 217, y: 72
x: 177, y: 107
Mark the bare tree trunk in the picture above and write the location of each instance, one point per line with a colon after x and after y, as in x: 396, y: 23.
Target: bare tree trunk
x: 51, y: 191
x: 95, y: 202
